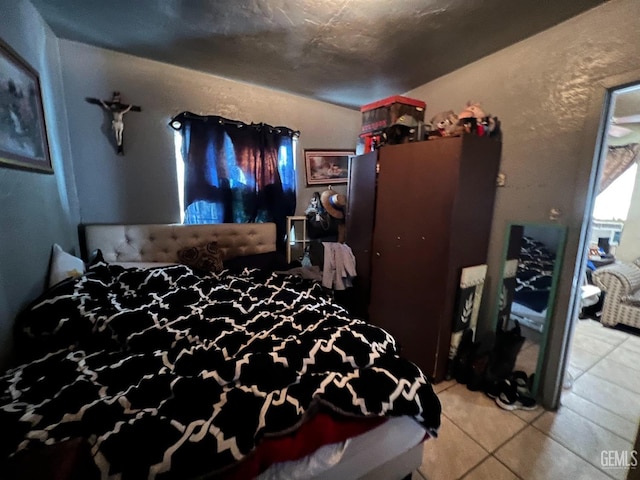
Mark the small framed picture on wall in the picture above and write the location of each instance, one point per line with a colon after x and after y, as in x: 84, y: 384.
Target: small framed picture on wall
x: 23, y: 135
x: 324, y: 167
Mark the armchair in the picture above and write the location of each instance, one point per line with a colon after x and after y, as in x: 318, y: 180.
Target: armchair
x: 621, y: 284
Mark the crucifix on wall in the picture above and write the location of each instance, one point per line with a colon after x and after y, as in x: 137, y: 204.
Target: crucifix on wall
x: 117, y: 109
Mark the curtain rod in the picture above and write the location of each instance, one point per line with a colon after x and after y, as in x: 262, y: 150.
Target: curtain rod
x: 177, y: 123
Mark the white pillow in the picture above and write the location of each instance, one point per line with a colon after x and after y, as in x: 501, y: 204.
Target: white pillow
x: 64, y: 265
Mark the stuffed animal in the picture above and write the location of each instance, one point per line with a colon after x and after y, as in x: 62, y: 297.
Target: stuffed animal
x: 445, y: 124
x: 472, y: 110
x: 469, y: 118
x: 473, y: 119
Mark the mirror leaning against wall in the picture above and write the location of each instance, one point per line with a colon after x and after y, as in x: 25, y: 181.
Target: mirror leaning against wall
x: 530, y: 269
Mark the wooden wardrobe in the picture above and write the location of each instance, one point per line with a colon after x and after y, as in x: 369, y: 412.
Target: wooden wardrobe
x: 412, y: 227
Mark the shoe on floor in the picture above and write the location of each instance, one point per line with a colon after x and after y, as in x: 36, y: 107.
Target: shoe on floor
x: 523, y: 382
x: 510, y: 399
x: 492, y: 389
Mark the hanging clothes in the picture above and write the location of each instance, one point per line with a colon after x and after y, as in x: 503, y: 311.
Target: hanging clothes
x: 339, y: 266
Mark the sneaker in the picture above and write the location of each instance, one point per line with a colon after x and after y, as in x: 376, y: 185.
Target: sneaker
x: 511, y: 399
x: 493, y: 389
x: 522, y: 381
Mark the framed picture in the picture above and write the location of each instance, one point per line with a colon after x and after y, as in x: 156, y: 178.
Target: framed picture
x: 324, y: 167
x: 23, y: 135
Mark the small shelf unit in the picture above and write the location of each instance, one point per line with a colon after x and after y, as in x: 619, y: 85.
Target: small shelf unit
x: 296, y: 237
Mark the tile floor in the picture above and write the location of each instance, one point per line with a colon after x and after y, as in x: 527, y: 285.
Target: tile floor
x: 601, y: 410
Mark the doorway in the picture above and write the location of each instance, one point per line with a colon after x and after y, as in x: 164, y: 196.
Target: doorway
x: 602, y: 378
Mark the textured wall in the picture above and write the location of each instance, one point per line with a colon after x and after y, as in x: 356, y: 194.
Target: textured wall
x: 141, y: 186
x: 37, y: 209
x: 547, y: 91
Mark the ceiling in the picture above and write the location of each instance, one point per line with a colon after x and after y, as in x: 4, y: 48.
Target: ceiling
x: 347, y: 52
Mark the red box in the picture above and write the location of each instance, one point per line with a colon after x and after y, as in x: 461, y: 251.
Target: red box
x: 368, y: 142
x: 379, y: 115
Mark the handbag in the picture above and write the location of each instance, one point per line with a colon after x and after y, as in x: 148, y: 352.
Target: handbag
x: 320, y: 225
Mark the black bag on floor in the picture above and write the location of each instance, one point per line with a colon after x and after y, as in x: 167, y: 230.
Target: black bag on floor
x: 472, y: 359
x: 505, y: 352
x: 462, y: 360
x: 480, y: 360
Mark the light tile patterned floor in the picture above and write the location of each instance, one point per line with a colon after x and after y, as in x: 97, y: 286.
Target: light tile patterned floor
x: 600, y: 412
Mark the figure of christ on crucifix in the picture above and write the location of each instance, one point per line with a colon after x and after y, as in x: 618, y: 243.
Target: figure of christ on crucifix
x: 117, y: 110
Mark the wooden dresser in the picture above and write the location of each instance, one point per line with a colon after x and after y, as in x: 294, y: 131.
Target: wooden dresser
x: 412, y: 227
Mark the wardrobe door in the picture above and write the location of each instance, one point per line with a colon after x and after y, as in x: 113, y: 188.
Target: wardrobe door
x: 361, y: 201
x: 416, y: 187
x: 470, y: 226
x: 476, y: 191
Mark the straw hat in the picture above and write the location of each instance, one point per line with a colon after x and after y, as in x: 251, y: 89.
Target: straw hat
x: 334, y: 203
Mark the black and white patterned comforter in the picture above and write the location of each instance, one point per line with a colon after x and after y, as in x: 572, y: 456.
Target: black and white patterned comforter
x: 171, y: 373
x: 534, y: 275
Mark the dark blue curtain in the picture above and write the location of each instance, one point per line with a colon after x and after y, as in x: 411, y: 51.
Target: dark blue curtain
x: 237, y: 173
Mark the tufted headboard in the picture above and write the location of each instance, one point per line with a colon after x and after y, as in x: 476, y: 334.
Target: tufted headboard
x: 161, y: 243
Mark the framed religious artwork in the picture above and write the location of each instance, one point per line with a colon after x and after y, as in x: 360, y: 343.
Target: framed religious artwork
x: 327, y: 167
x: 23, y: 134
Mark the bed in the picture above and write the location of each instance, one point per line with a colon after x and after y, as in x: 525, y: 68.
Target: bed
x: 145, y: 368
x: 534, y: 277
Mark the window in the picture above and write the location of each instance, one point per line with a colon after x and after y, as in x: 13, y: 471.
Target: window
x: 231, y: 172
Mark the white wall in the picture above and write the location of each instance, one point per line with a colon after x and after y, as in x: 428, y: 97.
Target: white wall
x: 629, y: 248
x: 37, y: 209
x: 547, y: 91
x: 141, y: 186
